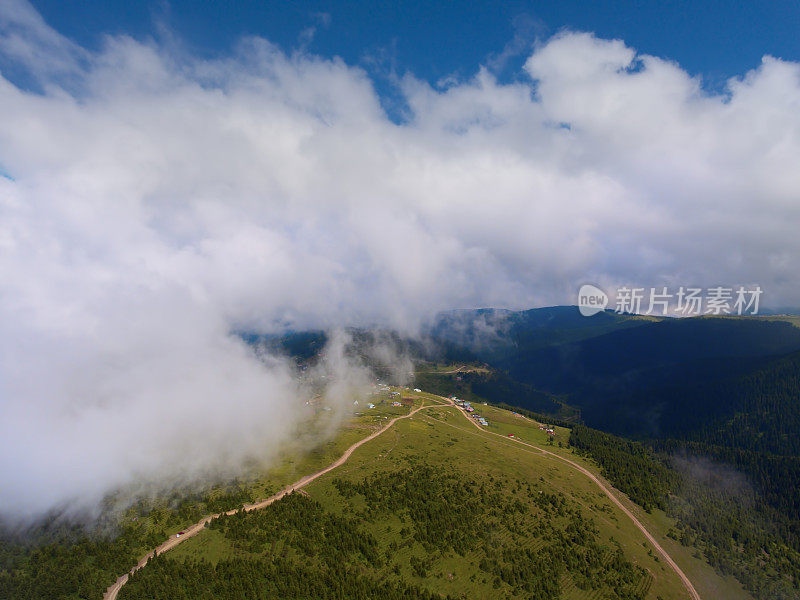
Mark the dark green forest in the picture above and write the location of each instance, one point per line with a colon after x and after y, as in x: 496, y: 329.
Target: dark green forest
x: 296, y: 549
x: 63, y: 560
x: 718, y: 512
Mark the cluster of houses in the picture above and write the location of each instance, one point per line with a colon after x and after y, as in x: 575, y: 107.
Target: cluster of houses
x: 548, y: 428
x: 468, y: 408
x: 463, y: 404
x: 381, y: 389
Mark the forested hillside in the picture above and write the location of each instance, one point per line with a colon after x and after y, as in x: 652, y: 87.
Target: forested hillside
x: 748, y: 422
x: 715, y: 405
x: 732, y: 525
x: 296, y: 549
x: 435, y: 509
x: 724, y: 388
x: 61, y: 559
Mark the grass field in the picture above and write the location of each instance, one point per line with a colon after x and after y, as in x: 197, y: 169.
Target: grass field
x: 441, y: 439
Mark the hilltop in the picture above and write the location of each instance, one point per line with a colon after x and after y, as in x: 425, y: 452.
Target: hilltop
x: 437, y: 506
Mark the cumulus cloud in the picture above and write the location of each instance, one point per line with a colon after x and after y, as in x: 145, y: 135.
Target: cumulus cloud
x: 160, y: 201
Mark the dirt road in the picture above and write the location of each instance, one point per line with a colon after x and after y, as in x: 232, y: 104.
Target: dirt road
x: 113, y: 590
x: 686, y: 582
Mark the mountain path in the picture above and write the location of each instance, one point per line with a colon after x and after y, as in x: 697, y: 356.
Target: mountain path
x: 113, y: 590
x: 678, y: 571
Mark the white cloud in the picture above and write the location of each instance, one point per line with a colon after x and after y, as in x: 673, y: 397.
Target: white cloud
x: 42, y: 51
x: 160, y: 201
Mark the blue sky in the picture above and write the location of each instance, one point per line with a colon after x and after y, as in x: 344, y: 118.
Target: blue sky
x: 717, y: 39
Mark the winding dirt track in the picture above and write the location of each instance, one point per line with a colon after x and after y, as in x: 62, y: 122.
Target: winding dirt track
x: 113, y: 590
x: 686, y: 581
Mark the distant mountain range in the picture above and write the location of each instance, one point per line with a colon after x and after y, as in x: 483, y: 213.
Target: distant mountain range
x: 625, y: 374
x: 720, y: 388
x: 617, y: 368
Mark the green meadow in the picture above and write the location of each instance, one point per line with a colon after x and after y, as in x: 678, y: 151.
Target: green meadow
x: 435, y: 506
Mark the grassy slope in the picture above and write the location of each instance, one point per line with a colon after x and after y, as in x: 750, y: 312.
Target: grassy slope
x: 709, y: 584
x: 443, y: 438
